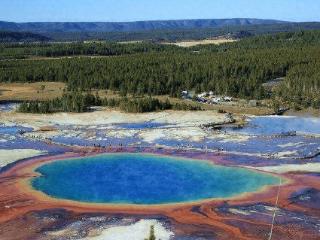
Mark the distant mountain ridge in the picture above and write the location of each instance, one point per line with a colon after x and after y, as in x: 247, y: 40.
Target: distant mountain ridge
x: 6, y: 36
x: 43, y: 27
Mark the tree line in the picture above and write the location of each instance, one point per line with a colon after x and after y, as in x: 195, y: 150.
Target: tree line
x: 103, y: 48
x: 69, y: 102
x: 79, y: 102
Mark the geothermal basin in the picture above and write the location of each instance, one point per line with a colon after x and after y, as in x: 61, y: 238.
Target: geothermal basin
x: 145, y: 179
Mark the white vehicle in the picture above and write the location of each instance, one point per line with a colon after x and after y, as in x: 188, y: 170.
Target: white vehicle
x: 202, y: 95
x: 227, y: 99
x: 216, y: 100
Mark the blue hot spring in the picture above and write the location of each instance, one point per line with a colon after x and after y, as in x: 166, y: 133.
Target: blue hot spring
x: 144, y: 179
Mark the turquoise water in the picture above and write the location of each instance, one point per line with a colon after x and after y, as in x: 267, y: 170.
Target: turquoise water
x: 144, y: 179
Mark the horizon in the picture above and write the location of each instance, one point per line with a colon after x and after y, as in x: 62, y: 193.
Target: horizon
x: 148, y: 10
x: 157, y: 20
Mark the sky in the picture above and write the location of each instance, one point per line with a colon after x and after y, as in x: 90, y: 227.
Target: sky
x: 135, y: 10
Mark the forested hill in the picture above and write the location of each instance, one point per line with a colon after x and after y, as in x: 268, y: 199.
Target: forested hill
x: 130, y: 26
x: 6, y: 36
x: 238, y: 69
x: 165, y: 32
x: 235, y: 31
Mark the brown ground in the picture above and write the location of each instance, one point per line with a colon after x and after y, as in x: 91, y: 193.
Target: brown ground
x: 30, y: 91
x: 304, y: 113
x: 190, y: 43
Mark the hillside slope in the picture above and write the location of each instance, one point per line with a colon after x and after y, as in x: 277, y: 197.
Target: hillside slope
x: 130, y: 26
